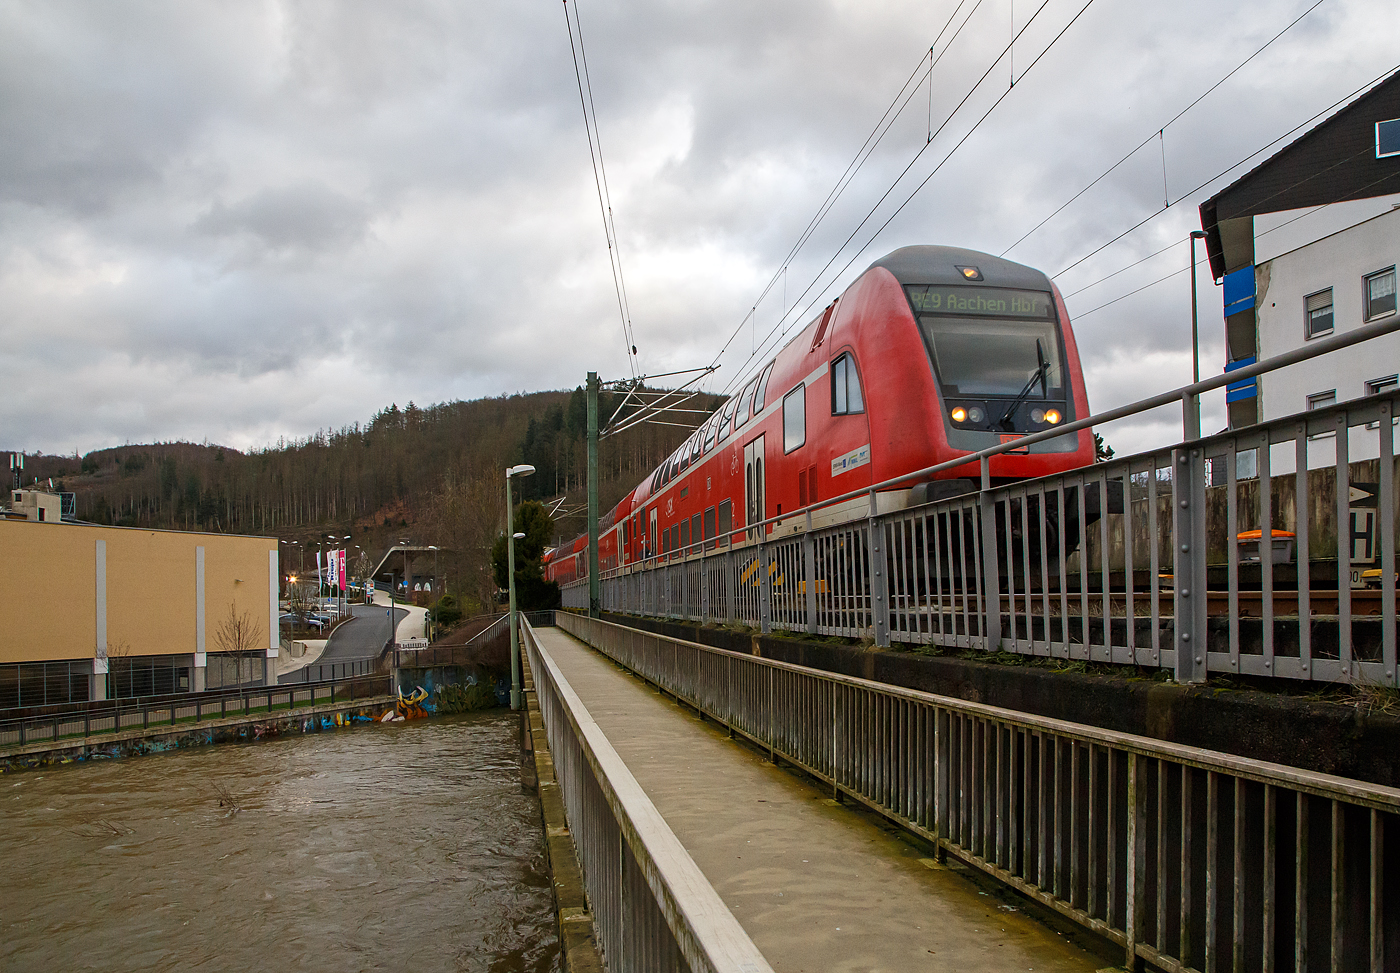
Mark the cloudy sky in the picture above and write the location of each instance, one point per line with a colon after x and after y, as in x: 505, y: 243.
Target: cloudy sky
x: 241, y: 221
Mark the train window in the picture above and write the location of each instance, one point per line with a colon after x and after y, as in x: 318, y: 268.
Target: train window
x: 794, y: 418
x: 696, y: 442
x: 685, y: 534
x: 710, y: 428
x: 762, y: 389
x: 695, y: 529
x: 821, y: 328
x: 724, y: 422
x: 990, y: 340
x: 845, y: 387
x: 745, y: 401
x: 726, y: 522
x: 710, y: 529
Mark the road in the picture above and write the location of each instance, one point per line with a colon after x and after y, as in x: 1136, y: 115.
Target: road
x: 361, y: 637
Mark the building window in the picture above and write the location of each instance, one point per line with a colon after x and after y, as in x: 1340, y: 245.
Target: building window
x: 845, y: 387
x: 1388, y: 138
x: 1318, y: 309
x: 1378, y: 385
x: 1380, y: 294
x: 1322, y: 400
x: 794, y: 418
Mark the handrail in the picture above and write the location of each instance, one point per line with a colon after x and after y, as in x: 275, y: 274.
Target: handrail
x: 1183, y: 394
x: 1378, y: 796
x: 201, y: 705
x: 705, y: 932
x: 1105, y: 828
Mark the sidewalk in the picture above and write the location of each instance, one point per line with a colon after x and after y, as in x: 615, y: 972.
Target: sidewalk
x: 817, y: 885
x: 414, y: 625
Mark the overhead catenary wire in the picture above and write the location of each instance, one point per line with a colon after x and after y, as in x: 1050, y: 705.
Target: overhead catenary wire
x: 1226, y: 171
x: 867, y: 148
x: 975, y: 126
x: 1182, y: 270
x: 780, y: 328
x: 1160, y: 133
x: 595, y: 153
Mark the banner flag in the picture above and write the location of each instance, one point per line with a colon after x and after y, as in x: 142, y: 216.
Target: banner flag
x: 331, y: 578
x: 343, y: 579
x: 320, y: 570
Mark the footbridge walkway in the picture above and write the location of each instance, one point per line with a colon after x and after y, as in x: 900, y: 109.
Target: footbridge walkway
x: 699, y: 853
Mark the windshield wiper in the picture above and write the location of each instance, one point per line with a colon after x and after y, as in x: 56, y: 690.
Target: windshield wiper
x: 1042, y: 369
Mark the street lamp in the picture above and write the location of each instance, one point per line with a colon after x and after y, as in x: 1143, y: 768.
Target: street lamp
x: 393, y: 629
x: 1193, y: 418
x: 522, y: 470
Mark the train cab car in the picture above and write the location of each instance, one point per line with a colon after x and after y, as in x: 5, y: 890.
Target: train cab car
x: 932, y: 354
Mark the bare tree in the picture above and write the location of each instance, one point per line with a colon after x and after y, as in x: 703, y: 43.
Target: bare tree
x: 238, y: 637
x: 465, y: 515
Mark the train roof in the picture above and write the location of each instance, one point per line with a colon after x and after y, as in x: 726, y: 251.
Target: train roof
x: 939, y: 265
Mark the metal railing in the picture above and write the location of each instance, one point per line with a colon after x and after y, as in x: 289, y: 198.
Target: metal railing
x: 1187, y: 859
x: 448, y: 655
x: 653, y: 909
x: 343, y: 669
x: 1132, y: 561
x: 77, y: 722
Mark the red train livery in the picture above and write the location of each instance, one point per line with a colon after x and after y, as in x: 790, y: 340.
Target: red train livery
x: 931, y: 354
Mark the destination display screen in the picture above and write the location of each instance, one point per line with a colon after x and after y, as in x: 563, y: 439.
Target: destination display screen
x: 993, y: 302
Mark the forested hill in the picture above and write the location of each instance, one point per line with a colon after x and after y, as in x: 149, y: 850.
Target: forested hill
x: 407, y: 470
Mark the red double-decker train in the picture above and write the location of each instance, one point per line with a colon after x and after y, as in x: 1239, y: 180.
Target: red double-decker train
x: 931, y: 354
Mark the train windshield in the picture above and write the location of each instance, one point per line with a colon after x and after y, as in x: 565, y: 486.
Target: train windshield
x: 990, y: 340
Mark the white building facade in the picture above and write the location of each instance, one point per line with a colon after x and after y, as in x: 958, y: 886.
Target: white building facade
x: 1327, y: 287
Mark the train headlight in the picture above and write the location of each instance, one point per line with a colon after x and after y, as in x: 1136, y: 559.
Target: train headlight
x: 959, y: 414
x: 975, y: 414
x: 1052, y: 416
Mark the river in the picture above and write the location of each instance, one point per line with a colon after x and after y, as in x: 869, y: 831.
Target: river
x: 407, y: 847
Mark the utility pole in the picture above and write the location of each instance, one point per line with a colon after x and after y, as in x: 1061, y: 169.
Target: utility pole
x: 594, y: 602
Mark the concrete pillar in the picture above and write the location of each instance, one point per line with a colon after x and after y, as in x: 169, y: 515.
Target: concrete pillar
x: 197, y: 671
x: 97, y: 686
x: 273, y: 639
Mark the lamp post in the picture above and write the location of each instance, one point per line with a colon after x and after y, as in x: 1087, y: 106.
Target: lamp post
x: 1193, y: 412
x: 393, y: 629
x: 522, y: 470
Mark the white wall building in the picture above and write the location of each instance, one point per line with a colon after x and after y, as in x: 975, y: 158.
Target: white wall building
x: 1328, y: 287
x: 1306, y: 246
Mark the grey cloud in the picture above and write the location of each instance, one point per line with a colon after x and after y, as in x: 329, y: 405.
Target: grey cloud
x: 247, y: 221
x: 307, y: 217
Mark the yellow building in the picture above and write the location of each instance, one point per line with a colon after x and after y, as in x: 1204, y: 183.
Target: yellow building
x: 91, y: 611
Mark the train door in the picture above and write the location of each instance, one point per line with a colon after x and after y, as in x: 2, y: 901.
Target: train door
x: 754, y: 491
x: 651, y: 534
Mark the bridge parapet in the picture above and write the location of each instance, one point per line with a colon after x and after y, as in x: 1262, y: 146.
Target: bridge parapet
x: 653, y: 908
x: 1188, y: 859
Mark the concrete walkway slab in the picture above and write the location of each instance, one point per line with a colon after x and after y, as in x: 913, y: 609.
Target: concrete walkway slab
x: 818, y: 886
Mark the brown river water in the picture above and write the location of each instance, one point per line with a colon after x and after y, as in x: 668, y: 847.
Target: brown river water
x: 408, y: 847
